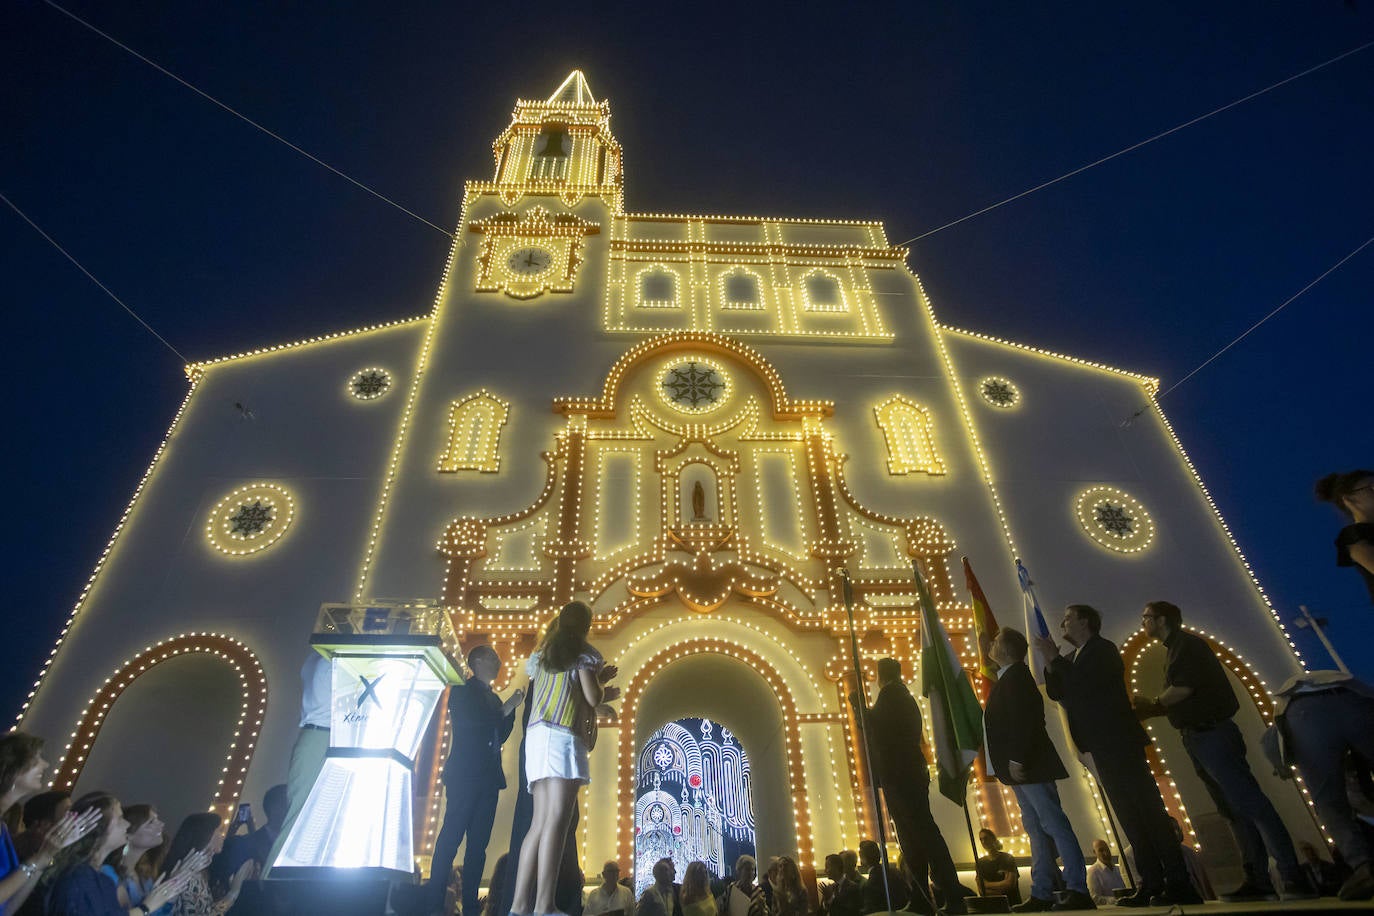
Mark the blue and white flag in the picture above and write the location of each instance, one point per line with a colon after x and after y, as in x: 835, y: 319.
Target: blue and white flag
x: 1035, y: 620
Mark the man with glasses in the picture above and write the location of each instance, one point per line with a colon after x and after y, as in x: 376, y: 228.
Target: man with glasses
x: 1090, y: 684
x: 1199, y: 701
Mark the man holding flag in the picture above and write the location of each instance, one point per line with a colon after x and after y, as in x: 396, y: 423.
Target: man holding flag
x: 894, y: 728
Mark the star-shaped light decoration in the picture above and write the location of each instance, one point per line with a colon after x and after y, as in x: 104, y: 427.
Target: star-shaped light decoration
x: 250, y: 520
x: 369, y: 384
x: 1115, y: 519
x: 695, y: 386
x: 999, y: 392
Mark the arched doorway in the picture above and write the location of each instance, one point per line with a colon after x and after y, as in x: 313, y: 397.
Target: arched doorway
x: 193, y: 703
x: 725, y: 687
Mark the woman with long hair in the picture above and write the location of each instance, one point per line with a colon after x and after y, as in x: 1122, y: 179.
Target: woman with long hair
x: 200, y: 833
x: 77, y: 888
x: 135, y: 866
x: 568, y: 681
x: 789, y: 894
x: 1353, y: 494
x: 696, y: 891
x: 21, y: 777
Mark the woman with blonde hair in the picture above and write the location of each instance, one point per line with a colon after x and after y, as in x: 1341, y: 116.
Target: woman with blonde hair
x: 568, y: 681
x: 696, y: 891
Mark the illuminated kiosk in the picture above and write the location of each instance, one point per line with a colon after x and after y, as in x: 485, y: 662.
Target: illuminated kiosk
x: 389, y: 672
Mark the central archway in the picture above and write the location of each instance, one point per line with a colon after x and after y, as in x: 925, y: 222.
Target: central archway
x: 738, y: 690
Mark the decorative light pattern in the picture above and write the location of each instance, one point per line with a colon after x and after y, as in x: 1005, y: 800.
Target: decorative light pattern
x: 194, y: 371
x: 504, y: 235
x: 693, y: 799
x: 369, y: 384
x: 648, y: 295
x: 250, y: 519
x: 474, y: 434
x: 695, y: 386
x: 251, y: 678
x: 910, y: 437
x: 784, y: 271
x: 999, y: 392
x: 742, y: 289
x: 823, y: 292
x: 1114, y: 519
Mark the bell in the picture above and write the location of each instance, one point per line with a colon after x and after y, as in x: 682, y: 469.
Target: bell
x: 554, y: 143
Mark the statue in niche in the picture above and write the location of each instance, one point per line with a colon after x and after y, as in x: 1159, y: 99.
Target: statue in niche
x: 699, y: 503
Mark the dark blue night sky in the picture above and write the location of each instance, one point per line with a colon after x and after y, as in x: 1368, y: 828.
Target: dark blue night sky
x: 916, y: 114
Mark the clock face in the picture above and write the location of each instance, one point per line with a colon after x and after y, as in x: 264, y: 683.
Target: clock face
x: 529, y: 261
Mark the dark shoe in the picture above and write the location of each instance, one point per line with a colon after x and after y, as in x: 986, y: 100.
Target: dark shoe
x: 1360, y: 885
x: 1139, y: 898
x: 954, y: 902
x: 1250, y: 891
x: 1075, y: 900
x: 1298, y: 889
x: 1033, y: 905
x: 1176, y: 896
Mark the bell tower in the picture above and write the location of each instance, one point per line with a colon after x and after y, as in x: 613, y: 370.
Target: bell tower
x: 562, y: 145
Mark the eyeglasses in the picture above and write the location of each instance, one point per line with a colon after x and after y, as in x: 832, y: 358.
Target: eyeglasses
x: 1149, y: 616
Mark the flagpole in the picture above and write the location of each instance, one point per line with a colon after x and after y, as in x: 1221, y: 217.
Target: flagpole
x: 881, y: 825
x: 968, y: 822
x: 1111, y: 822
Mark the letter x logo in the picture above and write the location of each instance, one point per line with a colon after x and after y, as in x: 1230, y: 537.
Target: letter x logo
x: 369, y: 690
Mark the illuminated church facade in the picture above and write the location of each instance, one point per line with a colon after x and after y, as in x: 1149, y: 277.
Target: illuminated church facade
x: 689, y: 422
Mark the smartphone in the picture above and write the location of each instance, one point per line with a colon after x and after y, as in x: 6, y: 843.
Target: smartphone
x: 244, y: 815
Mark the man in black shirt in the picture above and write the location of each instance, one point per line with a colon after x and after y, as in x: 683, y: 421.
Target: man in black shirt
x: 1199, y: 702
x: 473, y: 777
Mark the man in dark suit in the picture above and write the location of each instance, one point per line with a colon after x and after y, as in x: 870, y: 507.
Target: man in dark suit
x: 1090, y: 684
x: 893, y: 726
x: 473, y: 777
x: 874, y: 895
x: 1024, y: 758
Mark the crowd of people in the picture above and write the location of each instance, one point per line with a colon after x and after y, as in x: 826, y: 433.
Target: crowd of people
x: 94, y: 857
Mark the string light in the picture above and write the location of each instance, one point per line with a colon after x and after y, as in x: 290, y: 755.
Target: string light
x: 250, y: 519
x: 473, y: 442
x: 252, y: 682
x: 910, y: 436
x: 369, y: 384
x: 1114, y: 519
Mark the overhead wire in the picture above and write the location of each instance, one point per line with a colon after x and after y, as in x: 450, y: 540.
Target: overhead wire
x: 1135, y: 146
x: 1287, y: 302
x: 247, y: 120
x: 66, y: 254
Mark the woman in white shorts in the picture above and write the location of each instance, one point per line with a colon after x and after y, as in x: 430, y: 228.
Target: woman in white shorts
x: 568, y: 679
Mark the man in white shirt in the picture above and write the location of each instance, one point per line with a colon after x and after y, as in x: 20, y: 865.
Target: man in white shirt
x: 312, y: 743
x: 1103, y: 876
x: 610, y: 898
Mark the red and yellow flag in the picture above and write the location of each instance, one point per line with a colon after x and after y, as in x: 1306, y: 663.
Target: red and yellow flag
x: 984, y: 624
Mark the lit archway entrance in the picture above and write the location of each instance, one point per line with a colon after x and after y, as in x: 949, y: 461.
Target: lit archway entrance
x: 737, y: 690
x: 693, y: 799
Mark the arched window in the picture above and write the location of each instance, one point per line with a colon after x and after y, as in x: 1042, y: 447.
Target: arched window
x: 910, y: 437
x: 474, y: 434
x: 740, y: 289
x: 657, y: 288
x: 822, y: 292
x: 551, y: 151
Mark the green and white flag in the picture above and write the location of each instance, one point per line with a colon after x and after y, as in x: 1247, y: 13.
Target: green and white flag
x: 956, y: 719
